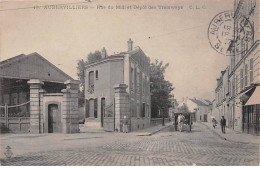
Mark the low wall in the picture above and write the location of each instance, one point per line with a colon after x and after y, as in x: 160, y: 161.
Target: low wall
x: 158, y: 121
x: 16, y: 124
x: 138, y: 123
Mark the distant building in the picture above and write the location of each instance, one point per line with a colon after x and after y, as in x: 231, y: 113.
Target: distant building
x: 202, y: 110
x: 199, y: 108
x: 34, y: 96
x: 129, y: 69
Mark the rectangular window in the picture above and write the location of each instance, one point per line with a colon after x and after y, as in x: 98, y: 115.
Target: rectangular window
x: 96, y: 74
x: 236, y: 82
x: 147, y: 110
x: 138, y: 109
x: 95, y: 108
x: 143, y: 85
x: 241, y: 79
x: 132, y: 78
x: 251, y: 70
x: 246, y: 71
x: 133, y: 108
x: 144, y: 107
x: 91, y: 81
x: 233, y: 88
x: 138, y: 82
x: 147, y: 87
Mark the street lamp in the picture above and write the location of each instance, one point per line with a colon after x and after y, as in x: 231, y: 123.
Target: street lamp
x: 163, y: 124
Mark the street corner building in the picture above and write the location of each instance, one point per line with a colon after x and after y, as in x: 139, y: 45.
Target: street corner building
x: 37, y: 97
x: 237, y: 95
x: 117, y: 90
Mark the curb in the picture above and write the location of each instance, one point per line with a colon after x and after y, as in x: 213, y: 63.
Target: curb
x: 159, y: 130
x: 152, y: 133
x: 224, y: 138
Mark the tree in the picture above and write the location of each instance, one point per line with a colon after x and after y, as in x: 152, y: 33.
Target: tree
x: 94, y: 57
x: 160, y: 89
x: 80, y: 73
x: 183, y: 109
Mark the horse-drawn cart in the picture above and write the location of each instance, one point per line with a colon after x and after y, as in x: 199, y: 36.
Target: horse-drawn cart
x: 187, y: 122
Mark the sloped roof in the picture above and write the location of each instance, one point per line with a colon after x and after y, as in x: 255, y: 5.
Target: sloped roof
x: 198, y: 102
x: 208, y: 101
x: 32, y: 66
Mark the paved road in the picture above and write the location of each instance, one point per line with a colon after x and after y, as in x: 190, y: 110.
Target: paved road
x: 200, y: 147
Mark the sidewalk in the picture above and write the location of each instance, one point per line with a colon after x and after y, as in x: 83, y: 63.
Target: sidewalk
x: 151, y: 130
x: 232, y: 135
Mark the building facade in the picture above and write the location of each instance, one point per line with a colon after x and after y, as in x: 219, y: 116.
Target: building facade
x: 221, y: 98
x: 238, y: 96
x: 129, y: 68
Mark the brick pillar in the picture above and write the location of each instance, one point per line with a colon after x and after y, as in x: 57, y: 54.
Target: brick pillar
x: 121, y: 106
x: 69, y: 110
x: 35, y: 106
x: 41, y: 92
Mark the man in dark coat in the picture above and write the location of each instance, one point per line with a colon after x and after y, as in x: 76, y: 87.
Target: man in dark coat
x: 223, y: 124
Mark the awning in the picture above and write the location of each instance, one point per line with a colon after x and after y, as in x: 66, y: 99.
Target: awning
x: 244, y: 92
x: 255, y: 97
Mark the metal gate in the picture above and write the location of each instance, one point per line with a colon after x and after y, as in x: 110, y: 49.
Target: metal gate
x: 12, y: 119
x: 109, y: 117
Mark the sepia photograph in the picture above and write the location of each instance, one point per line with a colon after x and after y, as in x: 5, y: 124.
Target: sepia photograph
x: 129, y: 83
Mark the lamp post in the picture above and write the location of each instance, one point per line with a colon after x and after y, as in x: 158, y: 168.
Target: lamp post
x: 163, y: 124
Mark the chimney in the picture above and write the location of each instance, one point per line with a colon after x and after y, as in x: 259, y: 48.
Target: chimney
x: 130, y: 45
x: 104, y: 53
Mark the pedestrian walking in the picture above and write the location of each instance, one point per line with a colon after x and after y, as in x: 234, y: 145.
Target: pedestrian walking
x: 180, y: 122
x: 223, y: 124
x: 214, y: 122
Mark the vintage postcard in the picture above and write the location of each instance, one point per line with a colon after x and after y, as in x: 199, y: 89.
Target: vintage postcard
x: 129, y: 83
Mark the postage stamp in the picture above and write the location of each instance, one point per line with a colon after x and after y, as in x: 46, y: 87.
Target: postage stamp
x: 228, y: 35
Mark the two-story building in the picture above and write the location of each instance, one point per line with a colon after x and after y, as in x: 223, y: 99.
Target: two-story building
x: 130, y: 68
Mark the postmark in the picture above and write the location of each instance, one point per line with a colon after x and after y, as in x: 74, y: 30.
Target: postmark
x: 228, y: 35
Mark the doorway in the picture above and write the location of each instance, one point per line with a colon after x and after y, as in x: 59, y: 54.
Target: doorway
x: 54, y: 119
x: 205, y: 118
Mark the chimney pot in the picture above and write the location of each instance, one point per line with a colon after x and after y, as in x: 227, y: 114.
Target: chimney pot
x: 130, y: 45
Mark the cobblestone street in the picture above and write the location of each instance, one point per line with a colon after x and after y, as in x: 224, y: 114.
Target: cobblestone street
x: 199, y: 147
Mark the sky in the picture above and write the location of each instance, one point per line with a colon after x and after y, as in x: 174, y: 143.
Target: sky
x: 64, y: 36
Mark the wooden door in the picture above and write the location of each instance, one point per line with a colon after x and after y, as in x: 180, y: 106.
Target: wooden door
x: 54, y: 125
